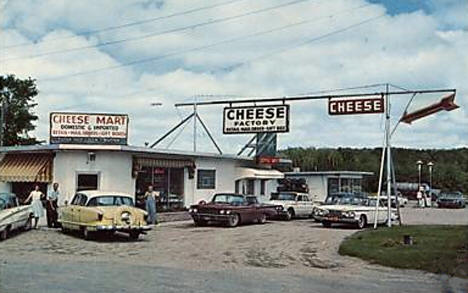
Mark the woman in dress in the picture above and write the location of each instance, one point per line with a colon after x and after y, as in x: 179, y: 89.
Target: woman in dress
x: 36, y: 205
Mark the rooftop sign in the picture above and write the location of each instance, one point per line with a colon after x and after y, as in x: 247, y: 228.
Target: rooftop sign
x: 356, y: 106
x: 256, y: 119
x: 88, y: 128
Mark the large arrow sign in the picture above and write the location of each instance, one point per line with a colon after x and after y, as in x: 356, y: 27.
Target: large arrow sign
x: 447, y: 103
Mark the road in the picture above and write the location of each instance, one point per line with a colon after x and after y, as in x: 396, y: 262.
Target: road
x: 296, y: 256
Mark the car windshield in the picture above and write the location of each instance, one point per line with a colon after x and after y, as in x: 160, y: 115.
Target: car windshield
x: 344, y: 201
x: 453, y: 195
x: 283, y: 196
x: 232, y: 199
x: 109, y: 200
x: 251, y: 200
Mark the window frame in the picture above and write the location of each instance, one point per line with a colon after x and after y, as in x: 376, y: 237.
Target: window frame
x: 200, y: 178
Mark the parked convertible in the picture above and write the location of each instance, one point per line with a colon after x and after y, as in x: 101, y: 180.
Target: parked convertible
x: 295, y: 204
x: 355, y: 211
x: 232, y: 209
x: 103, y: 212
x: 12, y: 215
x: 451, y: 200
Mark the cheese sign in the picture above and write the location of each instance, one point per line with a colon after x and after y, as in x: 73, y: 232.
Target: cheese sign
x: 356, y: 106
x: 256, y: 119
x: 88, y: 128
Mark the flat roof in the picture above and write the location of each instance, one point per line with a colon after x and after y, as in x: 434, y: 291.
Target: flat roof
x: 122, y: 148
x: 335, y: 173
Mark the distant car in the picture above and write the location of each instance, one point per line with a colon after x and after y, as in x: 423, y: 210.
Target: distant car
x: 451, y: 200
x: 232, y: 209
x: 402, y: 201
x: 355, y: 211
x: 12, y: 215
x: 103, y: 212
x: 295, y: 204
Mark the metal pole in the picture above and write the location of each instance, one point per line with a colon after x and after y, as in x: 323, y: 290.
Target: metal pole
x: 397, y: 201
x: 209, y: 134
x: 195, y: 126
x: 376, y: 213
x: 389, y: 171
x: 172, y: 130
x: 301, y: 98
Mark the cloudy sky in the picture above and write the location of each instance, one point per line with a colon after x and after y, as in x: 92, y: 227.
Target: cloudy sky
x: 120, y: 56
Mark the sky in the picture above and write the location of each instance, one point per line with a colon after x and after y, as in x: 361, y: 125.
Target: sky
x: 121, y: 56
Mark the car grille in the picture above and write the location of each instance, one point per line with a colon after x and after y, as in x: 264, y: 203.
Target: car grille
x: 333, y: 213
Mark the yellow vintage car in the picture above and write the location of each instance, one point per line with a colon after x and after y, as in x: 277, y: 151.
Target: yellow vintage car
x: 92, y: 212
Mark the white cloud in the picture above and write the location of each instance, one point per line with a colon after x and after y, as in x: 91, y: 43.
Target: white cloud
x: 409, y: 50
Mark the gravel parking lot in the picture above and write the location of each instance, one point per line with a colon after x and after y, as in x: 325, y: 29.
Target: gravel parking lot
x: 300, y: 247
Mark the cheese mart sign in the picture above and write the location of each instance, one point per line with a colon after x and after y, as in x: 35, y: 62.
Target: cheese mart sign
x: 88, y: 128
x: 257, y: 119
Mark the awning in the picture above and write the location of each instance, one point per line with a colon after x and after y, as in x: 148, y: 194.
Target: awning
x: 251, y: 173
x: 26, y: 168
x: 162, y: 163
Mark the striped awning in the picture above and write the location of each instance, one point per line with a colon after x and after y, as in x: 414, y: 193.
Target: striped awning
x: 163, y: 163
x: 26, y: 168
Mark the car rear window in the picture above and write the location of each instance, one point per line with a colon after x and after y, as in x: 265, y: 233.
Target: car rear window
x: 110, y: 201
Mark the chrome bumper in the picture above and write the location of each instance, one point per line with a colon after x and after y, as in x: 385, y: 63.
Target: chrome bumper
x: 336, y: 220
x: 120, y: 228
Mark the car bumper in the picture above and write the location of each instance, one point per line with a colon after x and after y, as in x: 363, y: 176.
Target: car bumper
x: 211, y: 217
x: 117, y: 228
x: 336, y: 220
x: 450, y: 205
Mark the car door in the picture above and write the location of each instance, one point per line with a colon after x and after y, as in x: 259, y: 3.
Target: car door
x: 300, y: 208
x: 308, y: 205
x: 67, y: 212
x: 80, y: 209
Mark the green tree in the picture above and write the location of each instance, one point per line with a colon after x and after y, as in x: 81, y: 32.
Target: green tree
x: 16, y: 99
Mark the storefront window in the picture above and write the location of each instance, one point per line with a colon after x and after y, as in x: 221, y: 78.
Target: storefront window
x: 333, y: 185
x: 251, y: 187
x: 168, y: 182
x: 87, y: 182
x: 262, y: 186
x: 206, y: 179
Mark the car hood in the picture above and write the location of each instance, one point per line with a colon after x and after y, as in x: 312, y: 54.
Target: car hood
x: 280, y: 202
x: 6, y: 213
x: 344, y: 208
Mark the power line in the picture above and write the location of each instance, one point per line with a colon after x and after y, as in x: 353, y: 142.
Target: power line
x: 303, y: 43
x: 151, y: 35
x: 152, y: 59
x: 117, y: 27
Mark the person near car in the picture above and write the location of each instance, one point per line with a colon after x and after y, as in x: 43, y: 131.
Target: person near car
x: 51, y: 206
x: 419, y: 197
x: 36, y: 204
x: 150, y: 199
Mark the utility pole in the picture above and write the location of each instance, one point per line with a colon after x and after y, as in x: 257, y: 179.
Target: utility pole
x: 195, y: 126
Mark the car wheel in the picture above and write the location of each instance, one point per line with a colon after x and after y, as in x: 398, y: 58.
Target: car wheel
x: 290, y: 214
x: 200, y: 223
x: 326, y: 224
x: 87, y: 235
x: 234, y: 220
x: 362, y: 223
x: 4, y: 234
x: 262, y: 219
x: 134, y: 235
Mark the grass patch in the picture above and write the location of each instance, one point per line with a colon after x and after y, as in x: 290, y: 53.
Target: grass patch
x: 437, y: 249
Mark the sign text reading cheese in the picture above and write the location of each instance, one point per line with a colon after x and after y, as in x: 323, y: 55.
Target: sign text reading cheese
x: 273, y: 118
x: 356, y: 106
x: 88, y: 128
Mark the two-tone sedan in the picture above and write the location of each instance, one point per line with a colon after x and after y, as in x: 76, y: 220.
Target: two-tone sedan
x: 102, y: 212
x: 295, y: 204
x: 358, y: 212
x: 12, y: 215
x: 232, y: 209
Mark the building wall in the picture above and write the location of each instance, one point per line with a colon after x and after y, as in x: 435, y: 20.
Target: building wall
x: 114, y: 169
x: 225, y: 179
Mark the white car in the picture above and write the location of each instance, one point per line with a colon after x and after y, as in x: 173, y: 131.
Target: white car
x: 359, y: 212
x: 295, y: 204
x: 12, y: 215
x: 402, y: 201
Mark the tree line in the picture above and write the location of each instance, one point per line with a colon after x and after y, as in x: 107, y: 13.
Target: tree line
x: 450, y: 171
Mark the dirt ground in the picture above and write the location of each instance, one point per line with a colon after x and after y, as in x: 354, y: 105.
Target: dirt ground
x: 299, y: 246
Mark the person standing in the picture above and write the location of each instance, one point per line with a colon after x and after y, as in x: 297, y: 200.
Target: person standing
x: 36, y: 204
x: 419, y: 196
x: 150, y: 199
x: 51, y: 206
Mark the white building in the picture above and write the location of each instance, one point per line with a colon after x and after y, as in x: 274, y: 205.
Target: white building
x: 323, y: 183
x: 182, y: 178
